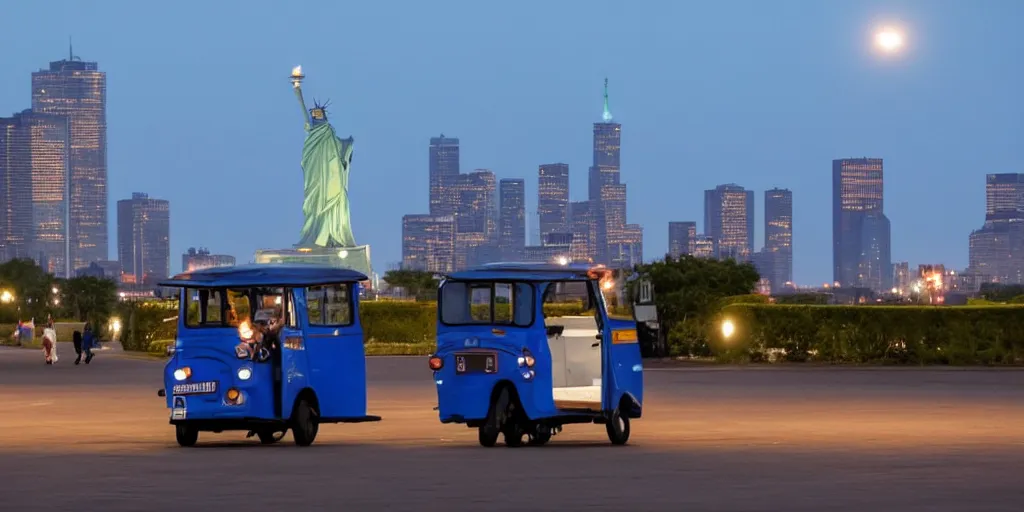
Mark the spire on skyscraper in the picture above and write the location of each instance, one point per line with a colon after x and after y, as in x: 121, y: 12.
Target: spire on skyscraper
x: 607, y: 115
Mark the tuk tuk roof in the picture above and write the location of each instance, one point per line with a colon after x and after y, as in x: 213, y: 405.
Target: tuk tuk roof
x: 271, y: 274
x: 528, y: 272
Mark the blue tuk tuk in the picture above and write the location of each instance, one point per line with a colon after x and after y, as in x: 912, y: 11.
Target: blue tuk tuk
x: 265, y: 349
x: 505, y: 365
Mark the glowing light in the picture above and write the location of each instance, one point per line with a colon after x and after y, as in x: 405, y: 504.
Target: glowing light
x: 607, y: 285
x: 6, y: 297
x: 245, y: 330
x: 889, y: 39
x: 55, y: 290
x: 297, y: 71
x: 728, y: 328
x: 562, y: 260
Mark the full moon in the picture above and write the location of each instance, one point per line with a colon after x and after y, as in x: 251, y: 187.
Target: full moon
x: 889, y: 39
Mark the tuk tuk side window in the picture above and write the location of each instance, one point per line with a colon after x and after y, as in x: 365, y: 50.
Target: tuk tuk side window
x: 329, y: 305
x: 204, y: 307
x: 467, y: 303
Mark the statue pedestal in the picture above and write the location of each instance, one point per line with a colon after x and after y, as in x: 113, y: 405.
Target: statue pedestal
x: 353, y: 258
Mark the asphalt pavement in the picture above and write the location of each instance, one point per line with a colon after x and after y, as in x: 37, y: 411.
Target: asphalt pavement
x: 784, y: 438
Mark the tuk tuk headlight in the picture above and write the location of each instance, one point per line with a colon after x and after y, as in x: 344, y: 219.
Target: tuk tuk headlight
x: 182, y: 373
x: 244, y: 373
x: 527, y: 359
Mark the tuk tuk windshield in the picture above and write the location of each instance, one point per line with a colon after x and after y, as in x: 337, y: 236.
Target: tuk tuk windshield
x: 229, y: 307
x: 487, y: 302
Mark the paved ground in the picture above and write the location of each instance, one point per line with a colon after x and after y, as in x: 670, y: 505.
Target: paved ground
x: 774, y: 439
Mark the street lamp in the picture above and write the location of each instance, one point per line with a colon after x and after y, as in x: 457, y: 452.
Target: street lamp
x: 6, y: 297
x: 728, y: 329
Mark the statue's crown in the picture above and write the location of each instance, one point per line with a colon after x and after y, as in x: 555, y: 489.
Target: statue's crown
x: 319, y: 112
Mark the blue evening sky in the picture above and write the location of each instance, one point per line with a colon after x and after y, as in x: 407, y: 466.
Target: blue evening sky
x: 760, y: 93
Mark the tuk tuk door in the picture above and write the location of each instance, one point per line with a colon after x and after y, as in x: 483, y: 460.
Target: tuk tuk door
x: 623, y: 369
x: 334, y: 348
x: 289, y: 362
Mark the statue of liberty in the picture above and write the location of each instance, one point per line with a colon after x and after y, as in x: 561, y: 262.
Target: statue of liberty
x: 326, y: 160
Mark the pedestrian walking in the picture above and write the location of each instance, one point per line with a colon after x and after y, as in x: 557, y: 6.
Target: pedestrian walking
x: 76, y: 338
x: 87, y: 341
x: 50, y: 343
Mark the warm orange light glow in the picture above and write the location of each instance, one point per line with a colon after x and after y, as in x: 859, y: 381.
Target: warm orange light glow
x: 245, y: 330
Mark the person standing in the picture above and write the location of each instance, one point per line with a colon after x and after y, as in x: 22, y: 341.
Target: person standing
x: 76, y: 338
x: 87, y: 342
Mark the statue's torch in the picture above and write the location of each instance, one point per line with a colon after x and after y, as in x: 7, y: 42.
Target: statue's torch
x: 296, y: 78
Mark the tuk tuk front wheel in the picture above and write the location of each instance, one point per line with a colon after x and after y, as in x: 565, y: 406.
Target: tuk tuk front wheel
x: 618, y: 427
x: 304, y: 423
x: 186, y: 435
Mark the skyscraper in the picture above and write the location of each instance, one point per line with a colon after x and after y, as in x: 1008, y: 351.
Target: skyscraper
x: 607, y: 194
x: 607, y: 145
x: 512, y: 219
x: 78, y: 90
x: 729, y: 219
x: 778, y: 237
x: 1004, y: 196
x: 143, y: 238
x: 444, y: 170
x: 860, y: 230
x: 997, y: 249
x: 553, y: 198
x: 476, y: 219
x: 428, y: 243
x: 34, y: 168
x: 584, y: 223
x: 682, y: 236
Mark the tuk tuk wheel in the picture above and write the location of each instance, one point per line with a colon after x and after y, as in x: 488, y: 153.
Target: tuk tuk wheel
x: 618, y: 427
x: 488, y: 436
x: 540, y: 435
x: 496, y: 418
x: 304, y: 424
x: 186, y: 435
x: 513, y: 432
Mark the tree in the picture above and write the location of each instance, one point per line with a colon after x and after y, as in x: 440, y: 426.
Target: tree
x: 418, y: 283
x: 690, y: 290
x: 31, y: 288
x: 89, y: 299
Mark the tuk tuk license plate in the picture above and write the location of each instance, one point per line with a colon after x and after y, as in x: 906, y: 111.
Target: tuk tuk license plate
x: 195, y: 388
x: 476, y: 363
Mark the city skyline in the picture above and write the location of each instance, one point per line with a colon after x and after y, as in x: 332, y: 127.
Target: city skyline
x: 675, y: 146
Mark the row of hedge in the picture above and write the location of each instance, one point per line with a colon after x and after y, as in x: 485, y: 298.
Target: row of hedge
x: 960, y: 335
x: 964, y: 335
